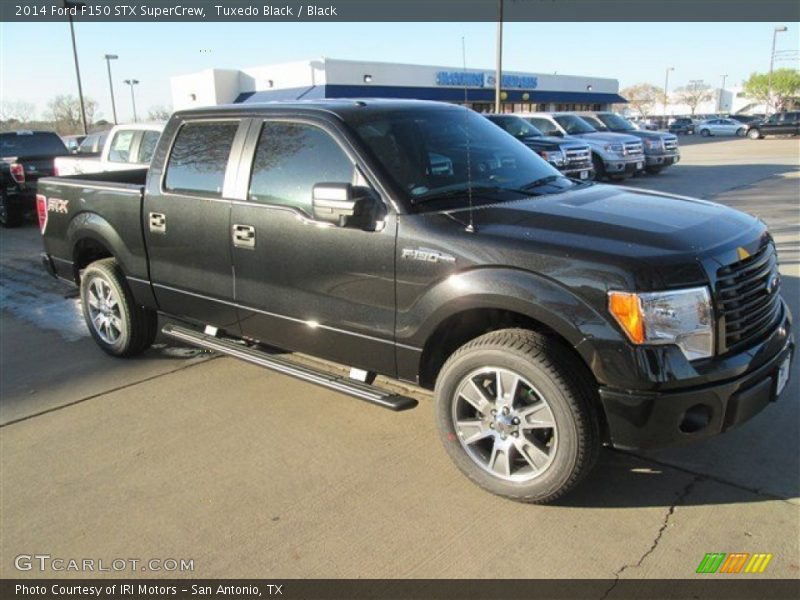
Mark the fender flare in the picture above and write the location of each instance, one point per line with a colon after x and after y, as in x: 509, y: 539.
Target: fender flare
x: 90, y: 225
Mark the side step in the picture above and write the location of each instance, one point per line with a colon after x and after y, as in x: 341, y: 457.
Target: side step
x: 345, y: 385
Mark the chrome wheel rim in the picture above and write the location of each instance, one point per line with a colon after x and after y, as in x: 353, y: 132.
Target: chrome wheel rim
x: 504, y: 424
x: 105, y: 315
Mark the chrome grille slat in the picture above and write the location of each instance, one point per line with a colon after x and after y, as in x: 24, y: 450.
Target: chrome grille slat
x: 746, y: 305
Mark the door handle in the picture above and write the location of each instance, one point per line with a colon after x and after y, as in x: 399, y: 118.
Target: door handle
x: 244, y: 236
x: 158, y: 222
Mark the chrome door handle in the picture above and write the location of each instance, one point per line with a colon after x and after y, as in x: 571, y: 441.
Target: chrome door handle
x: 244, y: 236
x: 158, y: 222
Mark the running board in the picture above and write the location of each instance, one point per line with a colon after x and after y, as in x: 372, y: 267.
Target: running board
x: 337, y: 383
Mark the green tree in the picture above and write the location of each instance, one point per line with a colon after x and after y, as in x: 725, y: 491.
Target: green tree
x: 785, y: 87
x: 643, y: 97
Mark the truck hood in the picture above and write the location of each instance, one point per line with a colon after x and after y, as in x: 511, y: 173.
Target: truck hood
x: 602, y: 137
x: 656, y: 237
x: 650, y: 135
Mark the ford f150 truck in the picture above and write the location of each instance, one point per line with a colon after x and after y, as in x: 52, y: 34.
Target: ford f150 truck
x: 570, y: 156
x: 420, y: 241
x: 615, y: 155
x: 660, y: 149
x: 125, y: 147
x: 24, y: 157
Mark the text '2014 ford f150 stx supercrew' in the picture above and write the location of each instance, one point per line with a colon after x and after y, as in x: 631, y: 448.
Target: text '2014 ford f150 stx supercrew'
x: 420, y: 241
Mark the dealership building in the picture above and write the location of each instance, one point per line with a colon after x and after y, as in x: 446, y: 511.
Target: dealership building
x: 332, y: 78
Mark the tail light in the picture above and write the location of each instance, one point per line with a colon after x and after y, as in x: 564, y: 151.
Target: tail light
x: 55, y: 170
x: 41, y: 210
x: 17, y: 172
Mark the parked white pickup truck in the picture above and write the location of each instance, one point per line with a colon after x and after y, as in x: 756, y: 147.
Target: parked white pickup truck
x: 126, y: 147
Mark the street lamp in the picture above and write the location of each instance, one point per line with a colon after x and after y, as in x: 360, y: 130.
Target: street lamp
x: 722, y: 91
x: 71, y: 5
x: 666, y: 85
x: 775, y: 33
x: 109, y: 58
x: 133, y: 82
x: 498, y: 75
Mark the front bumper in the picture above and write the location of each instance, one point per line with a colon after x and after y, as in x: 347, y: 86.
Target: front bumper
x: 627, y: 165
x: 575, y: 171
x: 641, y: 420
x: 662, y: 160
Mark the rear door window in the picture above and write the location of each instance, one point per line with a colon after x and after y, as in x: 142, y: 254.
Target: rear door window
x: 199, y: 157
x: 120, y: 150
x: 291, y: 158
x: 147, y: 146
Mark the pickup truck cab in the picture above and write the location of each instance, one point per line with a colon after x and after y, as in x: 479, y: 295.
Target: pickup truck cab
x: 125, y: 147
x: 419, y: 241
x: 25, y: 156
x: 614, y: 155
x: 570, y: 156
x: 660, y: 149
x: 785, y: 123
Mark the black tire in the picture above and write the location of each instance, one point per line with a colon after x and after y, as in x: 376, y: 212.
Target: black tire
x: 558, y: 377
x: 754, y: 134
x: 599, y: 168
x: 705, y: 133
x: 741, y: 132
x: 10, y: 214
x: 138, y: 325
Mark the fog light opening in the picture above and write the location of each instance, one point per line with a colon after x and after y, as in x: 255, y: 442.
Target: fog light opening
x: 696, y: 419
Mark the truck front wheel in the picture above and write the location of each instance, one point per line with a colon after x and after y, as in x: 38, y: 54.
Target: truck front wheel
x: 118, y: 325
x: 515, y: 417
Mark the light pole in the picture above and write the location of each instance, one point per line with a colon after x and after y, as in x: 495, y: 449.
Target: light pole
x: 71, y: 5
x: 498, y: 71
x: 109, y: 58
x: 775, y: 33
x: 666, y: 93
x: 133, y: 82
x: 721, y: 91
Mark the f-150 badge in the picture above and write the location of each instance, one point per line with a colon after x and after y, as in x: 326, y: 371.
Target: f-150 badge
x: 427, y: 255
x: 57, y: 205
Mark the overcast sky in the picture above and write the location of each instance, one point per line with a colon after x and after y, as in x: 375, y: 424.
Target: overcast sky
x: 36, y: 58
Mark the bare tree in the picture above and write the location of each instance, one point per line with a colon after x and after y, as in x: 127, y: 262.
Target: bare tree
x: 643, y: 97
x: 65, y: 112
x: 694, y: 94
x: 18, y: 111
x: 158, y: 112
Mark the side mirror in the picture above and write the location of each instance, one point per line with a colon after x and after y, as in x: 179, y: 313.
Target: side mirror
x: 346, y: 205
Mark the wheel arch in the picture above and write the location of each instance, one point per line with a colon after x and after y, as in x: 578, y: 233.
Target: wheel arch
x: 91, y: 237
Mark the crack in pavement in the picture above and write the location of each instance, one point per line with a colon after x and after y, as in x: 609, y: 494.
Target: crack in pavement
x: 679, y: 498
x: 111, y: 391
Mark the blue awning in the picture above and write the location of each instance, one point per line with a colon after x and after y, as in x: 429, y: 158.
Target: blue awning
x: 444, y: 94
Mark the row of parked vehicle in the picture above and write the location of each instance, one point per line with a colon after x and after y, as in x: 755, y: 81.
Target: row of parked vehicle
x: 592, y: 145
x: 754, y: 127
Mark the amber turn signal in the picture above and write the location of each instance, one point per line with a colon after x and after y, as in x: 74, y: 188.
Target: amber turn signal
x: 627, y: 310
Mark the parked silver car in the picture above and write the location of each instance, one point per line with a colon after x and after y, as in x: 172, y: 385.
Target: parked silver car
x: 721, y: 127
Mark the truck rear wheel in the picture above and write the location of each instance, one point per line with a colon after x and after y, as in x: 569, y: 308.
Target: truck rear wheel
x: 118, y: 325
x: 10, y: 214
x: 515, y: 418
x: 754, y: 134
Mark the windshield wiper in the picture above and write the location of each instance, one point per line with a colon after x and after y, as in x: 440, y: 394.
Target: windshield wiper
x: 542, y: 181
x: 475, y: 190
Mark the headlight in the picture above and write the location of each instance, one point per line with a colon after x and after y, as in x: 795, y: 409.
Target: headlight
x: 680, y: 317
x: 555, y: 157
x: 614, y: 148
x: 653, y: 144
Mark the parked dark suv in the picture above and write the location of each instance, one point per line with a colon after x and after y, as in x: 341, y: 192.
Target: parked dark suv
x: 682, y: 125
x: 785, y: 123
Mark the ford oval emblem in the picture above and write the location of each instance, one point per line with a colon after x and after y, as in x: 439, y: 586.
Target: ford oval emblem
x: 773, y: 284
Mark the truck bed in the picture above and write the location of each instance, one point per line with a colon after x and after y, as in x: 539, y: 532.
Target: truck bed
x: 131, y: 178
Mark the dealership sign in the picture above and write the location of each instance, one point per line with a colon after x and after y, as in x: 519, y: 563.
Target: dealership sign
x: 466, y: 79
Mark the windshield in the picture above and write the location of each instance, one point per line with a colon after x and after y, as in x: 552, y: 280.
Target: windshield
x: 441, y: 154
x: 596, y: 123
x: 616, y: 123
x: 574, y: 125
x: 517, y: 127
x: 31, y: 144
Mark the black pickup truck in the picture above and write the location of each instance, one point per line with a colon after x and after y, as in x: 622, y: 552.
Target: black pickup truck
x: 25, y: 156
x: 420, y: 241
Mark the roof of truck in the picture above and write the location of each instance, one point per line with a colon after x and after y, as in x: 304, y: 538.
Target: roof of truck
x: 341, y: 107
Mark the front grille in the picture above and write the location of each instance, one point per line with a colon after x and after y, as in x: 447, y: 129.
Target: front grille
x: 578, y: 155
x: 670, y: 144
x: 748, y: 297
x: 633, y: 149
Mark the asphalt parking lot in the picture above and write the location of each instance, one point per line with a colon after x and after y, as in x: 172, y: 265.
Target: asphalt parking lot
x: 186, y: 455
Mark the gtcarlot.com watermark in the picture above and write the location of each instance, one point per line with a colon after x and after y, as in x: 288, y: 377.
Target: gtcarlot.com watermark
x: 46, y: 563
